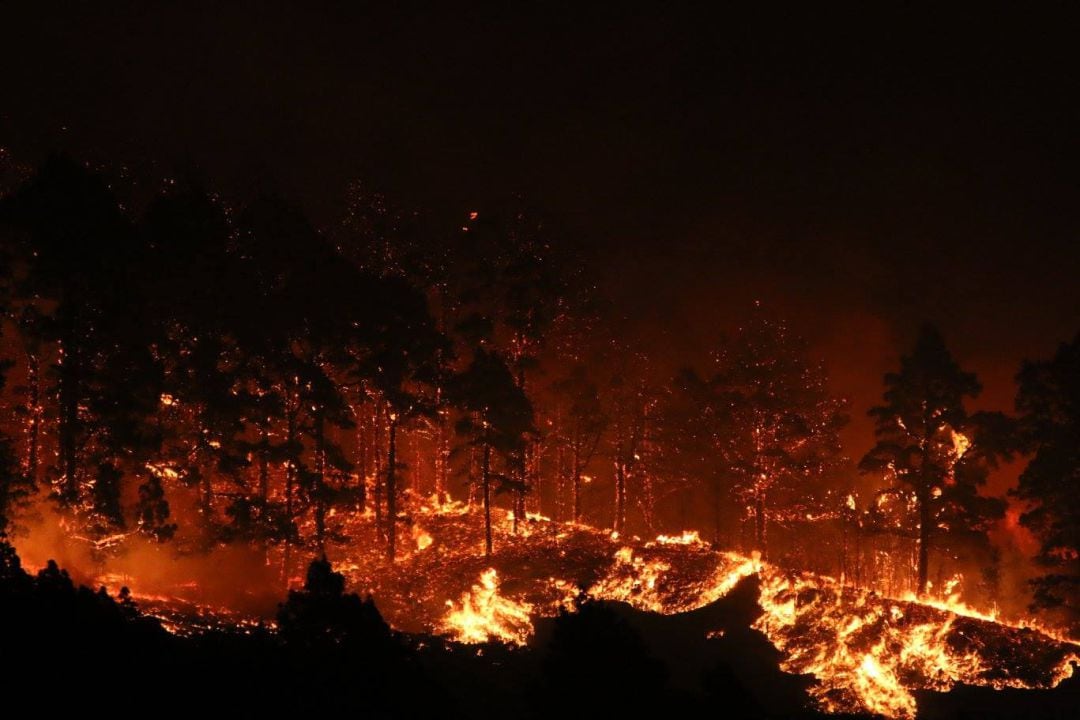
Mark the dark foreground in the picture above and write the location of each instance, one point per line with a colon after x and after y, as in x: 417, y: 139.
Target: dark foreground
x: 70, y: 649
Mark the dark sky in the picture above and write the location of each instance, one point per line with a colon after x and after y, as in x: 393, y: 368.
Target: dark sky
x: 859, y: 173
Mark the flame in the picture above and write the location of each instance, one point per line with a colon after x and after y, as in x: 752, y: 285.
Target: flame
x: 688, y: 537
x: 961, y: 443
x: 163, y: 470
x: 484, y: 615
x: 422, y: 538
x: 633, y: 580
x: 650, y: 584
x: 870, y: 653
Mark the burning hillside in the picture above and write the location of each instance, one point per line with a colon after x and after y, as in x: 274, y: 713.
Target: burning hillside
x: 868, y: 653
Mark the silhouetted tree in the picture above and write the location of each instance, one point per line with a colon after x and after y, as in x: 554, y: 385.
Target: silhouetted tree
x: 15, y: 486
x: 1049, y: 398
x: 398, y: 356
x: 697, y: 434
x: 152, y: 510
x: 582, y: 423
x: 763, y: 427
x: 631, y: 408
x: 499, y: 419
x: 323, y: 615
x: 209, y: 329
x: 925, y: 436
x: 72, y: 241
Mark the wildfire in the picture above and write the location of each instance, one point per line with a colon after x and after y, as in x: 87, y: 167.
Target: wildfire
x: 483, y: 615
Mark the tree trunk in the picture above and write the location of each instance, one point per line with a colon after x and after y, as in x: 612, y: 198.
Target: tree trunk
x: 475, y: 463
x: 442, y: 450
x: 924, y: 542
x: 577, y: 481
x: 206, y: 502
x: 519, y: 494
x: 391, y: 492
x: 361, y: 459
x: 68, y: 391
x: 620, y: 489
x: 620, y: 497
x: 759, y: 523
x: 264, y: 466
x: 320, y: 483
x: 485, y: 471
x: 845, y: 571
x: 33, y: 434
x: 376, y: 439
x: 717, y: 499
x: 290, y: 488
x: 577, y: 495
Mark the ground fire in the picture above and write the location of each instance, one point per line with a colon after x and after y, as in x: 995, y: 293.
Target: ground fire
x: 867, y: 652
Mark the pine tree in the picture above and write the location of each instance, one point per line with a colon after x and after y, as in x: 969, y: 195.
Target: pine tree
x: 71, y: 240
x: 582, y: 424
x: 1049, y: 398
x: 762, y: 428
x: 935, y: 454
x: 15, y: 486
x: 499, y: 420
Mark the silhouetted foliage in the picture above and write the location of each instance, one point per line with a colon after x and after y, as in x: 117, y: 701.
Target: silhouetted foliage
x: 499, y: 419
x: 934, y: 451
x: 1049, y: 398
x: 323, y: 614
x: 762, y: 429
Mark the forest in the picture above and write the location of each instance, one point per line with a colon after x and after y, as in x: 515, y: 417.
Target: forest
x: 198, y: 372
x: 210, y: 399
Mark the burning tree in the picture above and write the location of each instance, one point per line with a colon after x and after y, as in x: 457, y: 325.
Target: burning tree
x: 1049, y: 397
x: 763, y: 428
x: 15, y: 487
x: 582, y: 422
x: 630, y: 408
x: 398, y: 358
x: 936, y: 454
x: 499, y: 420
x: 78, y: 275
x: 69, y: 232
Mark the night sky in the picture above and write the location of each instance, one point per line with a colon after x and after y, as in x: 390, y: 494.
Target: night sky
x: 859, y: 174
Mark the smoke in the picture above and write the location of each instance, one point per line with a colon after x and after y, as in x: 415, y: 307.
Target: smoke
x: 237, y: 576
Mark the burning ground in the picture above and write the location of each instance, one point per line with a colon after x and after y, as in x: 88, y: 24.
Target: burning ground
x: 846, y: 650
x: 868, y: 653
